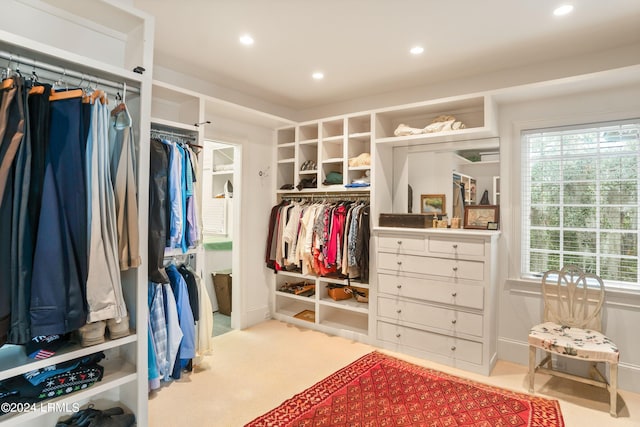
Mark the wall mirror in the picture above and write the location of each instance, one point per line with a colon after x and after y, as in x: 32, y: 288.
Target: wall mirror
x: 438, y: 168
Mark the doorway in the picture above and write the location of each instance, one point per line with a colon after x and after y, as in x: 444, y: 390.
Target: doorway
x: 220, y: 209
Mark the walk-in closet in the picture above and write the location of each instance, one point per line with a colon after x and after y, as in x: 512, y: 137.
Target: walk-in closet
x: 249, y: 213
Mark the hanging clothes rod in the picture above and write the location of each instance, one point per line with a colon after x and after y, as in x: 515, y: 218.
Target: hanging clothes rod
x: 335, y: 196
x: 175, y: 137
x: 62, y: 72
x: 157, y: 133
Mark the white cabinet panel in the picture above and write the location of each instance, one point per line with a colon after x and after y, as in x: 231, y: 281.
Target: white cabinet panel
x: 438, y: 300
x: 456, y: 247
x: 453, y: 268
x: 456, y: 294
x: 449, y: 320
x: 451, y: 347
x: 399, y: 244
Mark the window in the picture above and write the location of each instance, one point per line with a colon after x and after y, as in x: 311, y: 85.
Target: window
x: 580, y: 200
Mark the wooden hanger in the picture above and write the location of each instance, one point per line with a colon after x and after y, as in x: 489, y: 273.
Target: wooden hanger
x: 91, y: 98
x: 65, y: 94
x: 36, y: 90
x: 7, y: 83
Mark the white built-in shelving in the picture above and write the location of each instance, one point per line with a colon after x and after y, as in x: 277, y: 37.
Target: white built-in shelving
x: 124, y: 36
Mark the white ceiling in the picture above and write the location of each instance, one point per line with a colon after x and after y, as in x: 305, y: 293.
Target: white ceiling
x: 362, y: 46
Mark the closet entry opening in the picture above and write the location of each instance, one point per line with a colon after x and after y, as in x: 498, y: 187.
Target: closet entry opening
x: 219, y: 219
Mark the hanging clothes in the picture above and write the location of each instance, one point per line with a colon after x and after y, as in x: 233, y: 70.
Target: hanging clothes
x: 105, y: 299
x: 204, y: 343
x: 319, y: 239
x: 175, y: 197
x: 59, y: 246
x: 179, y: 220
x: 194, y: 202
x: 158, y: 209
x: 123, y: 175
x: 192, y: 224
x: 34, y: 148
x: 13, y: 203
x: 158, y: 330
x: 187, y: 349
x: 58, y: 303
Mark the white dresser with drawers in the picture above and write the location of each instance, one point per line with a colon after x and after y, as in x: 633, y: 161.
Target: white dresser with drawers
x: 437, y: 294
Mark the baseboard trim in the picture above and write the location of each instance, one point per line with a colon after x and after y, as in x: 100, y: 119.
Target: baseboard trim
x: 516, y: 351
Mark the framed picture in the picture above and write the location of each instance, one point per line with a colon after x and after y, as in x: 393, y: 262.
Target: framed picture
x: 479, y: 216
x: 433, y: 204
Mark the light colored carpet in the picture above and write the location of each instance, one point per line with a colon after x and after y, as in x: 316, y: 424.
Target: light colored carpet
x: 254, y: 370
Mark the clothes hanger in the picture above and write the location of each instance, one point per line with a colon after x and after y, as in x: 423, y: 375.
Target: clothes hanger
x: 7, y: 83
x: 125, y: 120
x: 60, y: 90
x: 7, y: 75
x: 36, y: 87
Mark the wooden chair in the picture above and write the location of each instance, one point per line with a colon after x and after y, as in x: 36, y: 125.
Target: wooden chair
x: 573, y: 324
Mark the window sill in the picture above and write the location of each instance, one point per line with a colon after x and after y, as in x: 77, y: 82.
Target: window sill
x: 613, y: 297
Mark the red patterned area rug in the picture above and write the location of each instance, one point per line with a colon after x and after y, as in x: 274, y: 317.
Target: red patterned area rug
x: 379, y: 390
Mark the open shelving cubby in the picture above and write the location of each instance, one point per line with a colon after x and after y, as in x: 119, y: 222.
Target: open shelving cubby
x: 476, y: 112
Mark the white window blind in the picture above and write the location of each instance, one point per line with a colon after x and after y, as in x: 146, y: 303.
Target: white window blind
x: 580, y: 193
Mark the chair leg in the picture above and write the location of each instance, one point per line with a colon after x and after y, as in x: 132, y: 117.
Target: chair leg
x: 532, y: 367
x: 613, y: 389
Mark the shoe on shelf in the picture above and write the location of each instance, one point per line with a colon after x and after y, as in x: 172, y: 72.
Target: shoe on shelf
x: 118, y: 328
x: 92, y: 333
x: 122, y: 420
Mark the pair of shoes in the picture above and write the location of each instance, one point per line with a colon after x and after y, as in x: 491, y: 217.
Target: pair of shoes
x: 94, y: 333
x: 86, y: 417
x: 119, y: 420
x: 89, y: 417
x: 118, y: 328
x: 309, y: 165
x: 360, y: 296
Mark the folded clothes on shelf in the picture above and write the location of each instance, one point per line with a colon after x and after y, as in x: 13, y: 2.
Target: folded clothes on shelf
x: 439, y: 124
x: 52, y: 381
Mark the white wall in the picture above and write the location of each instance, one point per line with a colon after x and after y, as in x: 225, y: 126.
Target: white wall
x: 520, y: 303
x: 254, y: 194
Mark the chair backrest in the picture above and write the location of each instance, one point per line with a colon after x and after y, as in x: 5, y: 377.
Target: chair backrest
x: 573, y: 298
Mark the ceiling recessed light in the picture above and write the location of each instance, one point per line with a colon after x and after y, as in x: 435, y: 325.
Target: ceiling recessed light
x: 563, y: 10
x: 416, y: 50
x: 318, y: 75
x: 246, y: 40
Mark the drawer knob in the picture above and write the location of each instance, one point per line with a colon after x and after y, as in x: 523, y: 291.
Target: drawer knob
x: 399, y: 242
x: 399, y: 286
x: 455, y: 246
x: 399, y: 262
x: 454, y: 294
x: 398, y: 311
x: 455, y: 268
x: 397, y: 335
x: 454, y: 321
x: 453, y: 348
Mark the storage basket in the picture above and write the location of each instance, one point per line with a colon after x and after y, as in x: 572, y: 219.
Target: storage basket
x: 339, y: 293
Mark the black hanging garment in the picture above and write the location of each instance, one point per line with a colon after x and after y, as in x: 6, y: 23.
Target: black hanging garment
x: 158, y: 205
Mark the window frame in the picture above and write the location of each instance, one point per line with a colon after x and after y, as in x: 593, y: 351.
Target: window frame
x: 523, y: 189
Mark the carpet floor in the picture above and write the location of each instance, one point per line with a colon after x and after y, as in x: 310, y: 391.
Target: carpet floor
x: 254, y: 370
x: 380, y: 390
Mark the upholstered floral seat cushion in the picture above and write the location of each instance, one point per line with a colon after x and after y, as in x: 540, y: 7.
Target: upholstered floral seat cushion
x: 579, y: 343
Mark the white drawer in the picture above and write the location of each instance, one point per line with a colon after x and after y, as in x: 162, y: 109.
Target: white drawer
x: 454, y: 348
x: 460, y: 269
x: 399, y: 243
x: 448, y: 320
x: 456, y: 294
x: 452, y: 246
